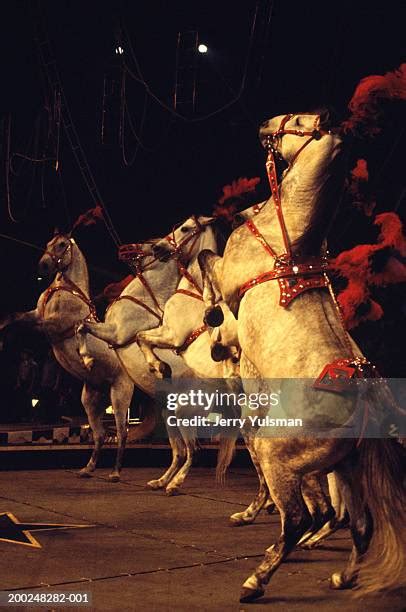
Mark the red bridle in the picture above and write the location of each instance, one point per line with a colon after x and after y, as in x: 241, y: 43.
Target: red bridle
x: 271, y: 142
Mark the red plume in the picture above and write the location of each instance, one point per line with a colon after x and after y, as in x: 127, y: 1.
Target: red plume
x: 358, y: 188
x: 90, y: 217
x: 369, y: 93
x: 227, y: 205
x: 356, y: 266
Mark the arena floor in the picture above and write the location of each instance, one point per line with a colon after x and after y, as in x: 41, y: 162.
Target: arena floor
x: 140, y: 550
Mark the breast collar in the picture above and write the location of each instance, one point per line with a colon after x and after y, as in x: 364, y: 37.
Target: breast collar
x: 294, y: 275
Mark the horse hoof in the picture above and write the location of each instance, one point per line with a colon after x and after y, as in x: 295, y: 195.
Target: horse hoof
x: 114, y: 477
x: 308, y: 546
x: 248, y: 595
x: 219, y: 352
x: 165, y: 370
x: 154, y: 485
x: 237, y: 520
x: 214, y: 316
x: 172, y: 491
x: 84, y: 473
x: 337, y: 582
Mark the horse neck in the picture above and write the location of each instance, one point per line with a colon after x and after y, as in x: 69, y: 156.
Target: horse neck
x: 76, y: 272
x: 301, y: 193
x: 208, y: 241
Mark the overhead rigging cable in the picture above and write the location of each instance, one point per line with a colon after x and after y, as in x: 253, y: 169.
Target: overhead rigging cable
x: 140, y: 78
x: 49, y: 66
x: 7, y: 169
x: 125, y: 113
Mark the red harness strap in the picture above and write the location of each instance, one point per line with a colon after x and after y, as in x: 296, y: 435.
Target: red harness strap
x: 134, y: 300
x: 197, y: 296
x: 191, y: 338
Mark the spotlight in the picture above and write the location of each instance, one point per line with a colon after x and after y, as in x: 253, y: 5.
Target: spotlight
x: 202, y: 48
x: 34, y: 402
x: 119, y: 50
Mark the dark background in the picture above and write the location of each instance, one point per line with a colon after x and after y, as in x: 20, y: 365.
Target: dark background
x: 272, y: 57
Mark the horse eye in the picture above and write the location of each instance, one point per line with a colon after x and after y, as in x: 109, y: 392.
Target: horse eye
x: 184, y: 229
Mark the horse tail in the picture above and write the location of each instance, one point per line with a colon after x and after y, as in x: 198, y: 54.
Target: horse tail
x: 225, y: 454
x: 382, y: 463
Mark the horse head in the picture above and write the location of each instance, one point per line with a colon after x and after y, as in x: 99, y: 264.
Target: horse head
x: 57, y: 256
x: 185, y: 241
x: 287, y: 136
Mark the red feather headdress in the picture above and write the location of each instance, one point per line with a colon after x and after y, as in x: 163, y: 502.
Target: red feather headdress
x: 227, y: 205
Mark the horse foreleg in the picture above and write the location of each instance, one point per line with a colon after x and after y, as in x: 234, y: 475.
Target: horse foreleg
x: 120, y: 393
x: 249, y: 515
x: 108, y: 332
x: 338, y: 521
x: 318, y: 505
x: 209, y: 262
x: 178, y: 458
x: 31, y: 317
x: 82, y: 347
x: 91, y: 401
x: 160, y: 337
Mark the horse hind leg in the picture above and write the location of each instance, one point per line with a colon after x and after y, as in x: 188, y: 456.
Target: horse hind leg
x: 91, y: 400
x: 120, y: 394
x: 285, y: 488
x: 338, y: 521
x: 360, y: 524
x: 318, y: 504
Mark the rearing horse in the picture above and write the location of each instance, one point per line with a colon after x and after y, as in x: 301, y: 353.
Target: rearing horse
x: 289, y: 327
x: 60, y: 308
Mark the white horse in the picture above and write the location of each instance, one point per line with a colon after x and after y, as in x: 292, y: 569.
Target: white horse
x: 287, y: 331
x: 59, y: 309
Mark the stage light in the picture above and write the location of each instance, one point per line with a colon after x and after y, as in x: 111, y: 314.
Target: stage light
x: 34, y: 402
x: 119, y: 50
x: 39, y: 278
x: 109, y: 410
x: 202, y: 48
